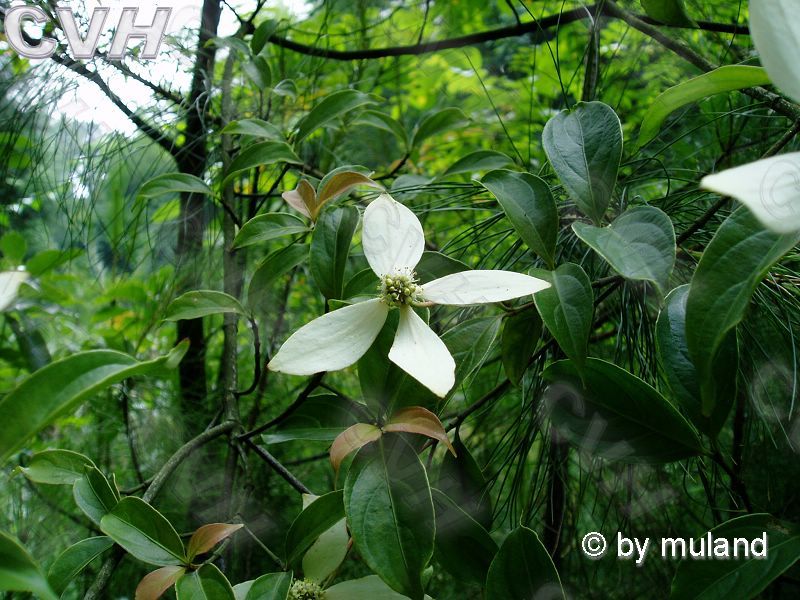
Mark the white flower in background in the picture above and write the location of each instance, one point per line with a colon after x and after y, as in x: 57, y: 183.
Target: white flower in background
x: 393, y: 244
x: 9, y: 286
x: 770, y: 188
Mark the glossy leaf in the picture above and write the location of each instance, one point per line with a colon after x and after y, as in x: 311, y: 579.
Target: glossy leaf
x: 523, y: 569
x: 260, y: 154
x: 329, y: 550
x: 529, y: 205
x: 321, y: 418
x: 259, y: 72
x: 341, y: 182
x: 435, y: 265
x: 329, y: 108
x: 144, y: 532
x: 255, y: 127
x: 436, y: 123
x: 154, y: 584
x: 60, y: 386
x: 723, y: 79
x: 419, y: 420
x: 269, y: 270
x: 607, y: 411
x: 74, y: 560
x: 56, y: 467
x: 202, y: 303
x: 208, y: 536
x: 272, y: 586
x: 322, y: 514
x: 330, y: 247
x: 521, y: 334
x: 669, y: 12
x: 680, y: 371
x: 639, y: 244
x: 371, y: 587
x: 461, y: 479
x: 267, y: 227
x: 350, y: 440
x: 721, y: 579
x: 262, y: 34
x: 19, y: 572
x: 389, y: 510
x: 207, y: 583
x: 480, y: 160
x: 567, y: 308
x: 384, y: 122
x: 463, y: 547
x: 471, y: 343
x: 94, y: 494
x: 584, y: 146
x: 733, y: 264
x: 174, y: 183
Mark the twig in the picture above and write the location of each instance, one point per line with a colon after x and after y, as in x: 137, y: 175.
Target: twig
x: 278, y: 467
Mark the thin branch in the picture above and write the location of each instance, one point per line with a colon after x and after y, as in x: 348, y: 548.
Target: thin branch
x: 278, y: 467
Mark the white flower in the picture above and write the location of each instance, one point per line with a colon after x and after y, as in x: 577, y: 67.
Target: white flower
x: 393, y: 244
x: 770, y: 188
x: 9, y: 287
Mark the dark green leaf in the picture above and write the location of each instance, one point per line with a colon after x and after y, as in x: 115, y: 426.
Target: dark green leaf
x: 566, y: 308
x: 584, y: 146
x: 461, y: 479
x: 144, y: 532
x: 679, y: 369
x: 94, y: 494
x: 436, y: 123
x: 201, y: 303
x: 471, y: 343
x: 434, y: 265
x: 612, y: 413
x: 523, y: 569
x: 259, y: 72
x: 669, y: 12
x: 723, y: 79
x: 319, y: 517
x: 733, y: 264
x: 383, y: 121
x: 389, y: 510
x: 365, y: 282
x: 262, y: 153
x: 254, y: 127
x: 56, y: 467
x: 74, y: 560
x: 270, y: 269
x: 728, y: 578
x: 321, y: 418
x: 330, y: 247
x: 207, y: 583
x: 463, y: 547
x: 639, y: 244
x: 261, y: 35
x: 19, y: 572
x: 529, y: 205
x: 480, y: 160
x: 329, y: 108
x: 521, y: 334
x: 174, y: 183
x: 268, y: 227
x: 272, y: 586
x: 60, y: 386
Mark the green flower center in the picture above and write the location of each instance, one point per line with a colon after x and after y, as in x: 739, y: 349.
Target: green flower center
x: 306, y: 590
x: 399, y: 289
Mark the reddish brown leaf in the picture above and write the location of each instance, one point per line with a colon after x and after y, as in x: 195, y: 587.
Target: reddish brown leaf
x: 303, y: 199
x: 351, y: 439
x: 341, y: 183
x: 422, y: 421
x: 154, y: 584
x: 208, y: 536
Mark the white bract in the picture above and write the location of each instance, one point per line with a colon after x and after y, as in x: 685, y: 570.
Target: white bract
x: 9, y: 287
x: 393, y: 244
x: 770, y: 188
